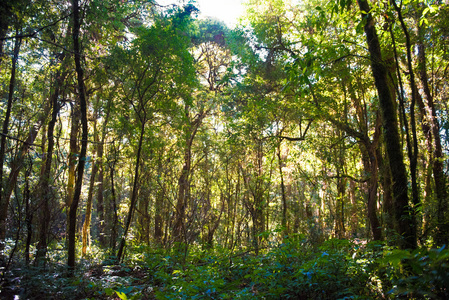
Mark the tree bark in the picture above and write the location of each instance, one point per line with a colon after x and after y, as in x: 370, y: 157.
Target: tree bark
x: 82, y: 157
x: 88, y: 214
x: 370, y: 164
x: 73, y: 152
x: 413, y: 152
x: 159, y: 203
x: 403, y: 215
x: 183, y: 181
x: 100, y: 198
x: 28, y: 216
x: 113, y: 241
x: 100, y: 203
x: 372, y: 195
x: 370, y: 161
x: 4, y: 202
x: 44, y: 184
x: 283, y: 193
x: 387, y: 204
x: 133, y: 193
x: 436, y: 150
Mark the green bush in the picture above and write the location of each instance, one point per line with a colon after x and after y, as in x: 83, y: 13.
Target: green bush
x: 294, y: 269
x: 422, y: 273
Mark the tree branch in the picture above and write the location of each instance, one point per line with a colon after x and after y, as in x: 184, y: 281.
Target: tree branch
x: 19, y: 140
x: 34, y: 33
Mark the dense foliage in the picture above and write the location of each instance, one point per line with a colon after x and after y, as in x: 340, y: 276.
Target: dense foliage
x: 296, y: 269
x: 150, y: 153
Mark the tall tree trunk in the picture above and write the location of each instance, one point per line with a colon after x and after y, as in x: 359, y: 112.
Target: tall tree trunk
x: 82, y: 157
x: 403, y: 215
x: 372, y: 195
x: 113, y: 241
x: 88, y: 214
x: 100, y: 199
x: 100, y: 190
x: 183, y: 194
x: 340, y: 206
x: 257, y: 207
x: 18, y: 161
x: 73, y: 152
x: 158, y: 215
x: 414, y: 152
x: 370, y: 162
x: 133, y: 193
x: 354, y: 219
x: 143, y: 218
x: 179, y: 229
x: 283, y: 193
x: 442, y: 236
x: 370, y: 166
x: 340, y: 229
x: 387, y: 203
x: 4, y: 202
x: 45, y: 191
x: 28, y: 215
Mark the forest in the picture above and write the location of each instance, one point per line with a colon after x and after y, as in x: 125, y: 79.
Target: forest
x: 150, y: 153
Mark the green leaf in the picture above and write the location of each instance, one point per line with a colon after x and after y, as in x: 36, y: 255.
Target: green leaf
x: 121, y: 295
x: 396, y: 256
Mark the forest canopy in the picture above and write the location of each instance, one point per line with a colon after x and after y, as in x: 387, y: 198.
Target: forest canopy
x: 301, y: 154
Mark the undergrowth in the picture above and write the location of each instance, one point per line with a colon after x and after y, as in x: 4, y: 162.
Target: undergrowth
x: 294, y: 269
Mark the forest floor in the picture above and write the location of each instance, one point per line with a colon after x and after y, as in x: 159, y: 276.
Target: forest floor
x: 294, y: 269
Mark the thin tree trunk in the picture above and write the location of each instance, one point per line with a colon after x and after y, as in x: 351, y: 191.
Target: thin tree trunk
x: 183, y: 181
x: 18, y: 161
x: 73, y: 152
x: 403, y: 215
x: 88, y: 214
x: 100, y: 199
x: 44, y: 184
x: 133, y: 193
x: 28, y: 216
x: 283, y: 195
x: 96, y: 163
x: 183, y: 191
x: 4, y: 202
x: 341, y: 184
x: 437, y: 155
x: 113, y: 240
x: 82, y: 158
x: 158, y: 219
x: 370, y: 163
x: 354, y: 220
x: 372, y: 196
x: 257, y: 207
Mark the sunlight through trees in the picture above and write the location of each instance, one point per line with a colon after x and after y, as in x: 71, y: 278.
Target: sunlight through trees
x: 139, y: 139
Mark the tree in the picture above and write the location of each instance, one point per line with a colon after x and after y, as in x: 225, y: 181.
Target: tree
x: 84, y: 135
x: 4, y: 202
x: 403, y: 211
x: 156, y: 59
x: 45, y: 193
x: 430, y: 119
